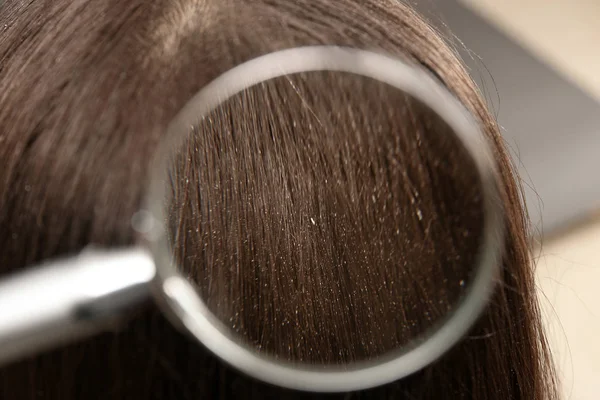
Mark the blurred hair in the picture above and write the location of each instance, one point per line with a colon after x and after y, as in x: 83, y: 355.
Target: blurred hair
x: 324, y: 217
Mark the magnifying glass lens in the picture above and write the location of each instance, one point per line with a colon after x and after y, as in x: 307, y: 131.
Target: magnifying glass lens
x: 326, y: 218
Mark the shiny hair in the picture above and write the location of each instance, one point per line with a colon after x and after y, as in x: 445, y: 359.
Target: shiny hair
x: 324, y: 218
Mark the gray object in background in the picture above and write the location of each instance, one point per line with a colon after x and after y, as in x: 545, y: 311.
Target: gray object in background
x: 552, y: 126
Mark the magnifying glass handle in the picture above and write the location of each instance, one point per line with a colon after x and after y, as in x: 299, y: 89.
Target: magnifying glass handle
x: 66, y: 299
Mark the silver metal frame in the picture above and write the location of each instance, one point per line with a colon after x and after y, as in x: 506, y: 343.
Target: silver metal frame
x: 178, y: 297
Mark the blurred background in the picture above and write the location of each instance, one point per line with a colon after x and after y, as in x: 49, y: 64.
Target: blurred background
x: 538, y: 64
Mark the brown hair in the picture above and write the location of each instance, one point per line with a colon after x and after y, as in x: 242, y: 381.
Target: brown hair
x: 324, y: 217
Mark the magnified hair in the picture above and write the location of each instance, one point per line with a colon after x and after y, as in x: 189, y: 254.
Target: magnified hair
x: 324, y: 217
x: 322, y: 225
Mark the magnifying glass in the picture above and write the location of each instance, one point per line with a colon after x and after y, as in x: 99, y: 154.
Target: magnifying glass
x: 65, y: 299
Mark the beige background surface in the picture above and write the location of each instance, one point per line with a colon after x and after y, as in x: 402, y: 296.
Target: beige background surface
x: 565, y: 34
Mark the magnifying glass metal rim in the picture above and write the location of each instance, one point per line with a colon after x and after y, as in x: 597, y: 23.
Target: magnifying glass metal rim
x: 179, y: 297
